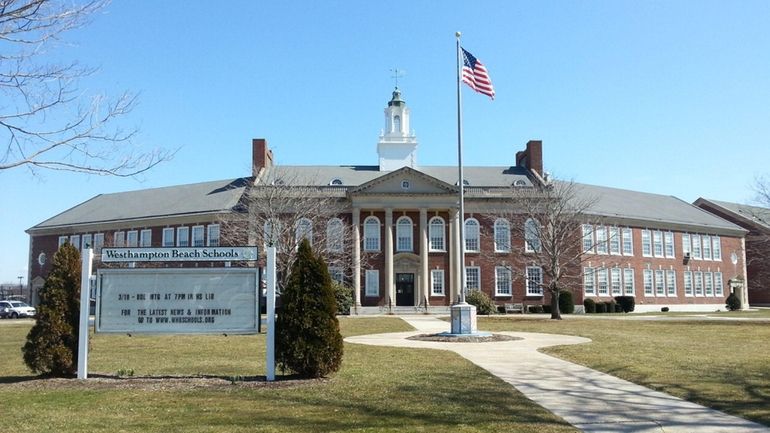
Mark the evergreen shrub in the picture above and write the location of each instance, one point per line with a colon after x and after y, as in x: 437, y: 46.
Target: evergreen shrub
x: 627, y: 303
x: 482, y: 301
x: 547, y: 308
x: 732, y: 302
x: 344, y: 296
x: 566, y: 303
x: 601, y: 307
x: 308, y: 340
x: 52, y: 343
x: 611, y: 306
x: 664, y: 309
x: 536, y: 309
x: 589, y: 305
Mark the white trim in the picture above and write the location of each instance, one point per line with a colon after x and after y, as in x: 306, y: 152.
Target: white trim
x: 442, y: 239
x: 627, y: 233
x: 404, y: 234
x: 202, y: 230
x: 469, y: 270
x: 372, y: 283
x: 185, y: 237
x: 475, y: 239
x: 538, y: 281
x: 132, y: 243
x: 437, y: 276
x: 163, y: 241
x: 628, y: 276
x: 209, y: 229
x: 370, y: 223
x: 145, y: 238
x: 335, y: 231
x: 503, y: 276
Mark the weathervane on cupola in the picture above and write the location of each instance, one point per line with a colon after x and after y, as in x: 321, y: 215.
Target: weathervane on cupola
x: 397, y: 146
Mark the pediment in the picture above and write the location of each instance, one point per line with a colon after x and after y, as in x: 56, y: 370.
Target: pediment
x: 405, y: 180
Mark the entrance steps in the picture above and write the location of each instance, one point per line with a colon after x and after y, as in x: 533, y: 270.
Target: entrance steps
x: 402, y: 310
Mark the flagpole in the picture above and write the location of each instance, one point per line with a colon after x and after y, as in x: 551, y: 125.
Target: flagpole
x: 461, y: 182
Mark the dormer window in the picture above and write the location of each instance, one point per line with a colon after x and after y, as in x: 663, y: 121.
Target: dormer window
x: 405, y: 184
x: 519, y: 182
x: 336, y: 181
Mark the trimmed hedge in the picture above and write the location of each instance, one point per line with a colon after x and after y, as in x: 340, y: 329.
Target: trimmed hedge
x: 601, y: 307
x: 589, y: 305
x: 732, y: 302
x: 626, y: 303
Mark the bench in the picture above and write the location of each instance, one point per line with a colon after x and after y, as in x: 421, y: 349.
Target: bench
x: 514, y: 308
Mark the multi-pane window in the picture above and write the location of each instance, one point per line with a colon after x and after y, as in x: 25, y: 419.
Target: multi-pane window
x: 660, y: 283
x: 198, y: 236
x: 337, y: 274
x: 718, y: 284
x: 502, y: 281
x: 119, y: 239
x: 589, y: 286
x: 168, y: 237
x: 668, y: 244
x: 473, y: 277
x: 87, y: 241
x: 615, y: 281
x: 304, y: 230
x: 534, y: 281
x: 628, y: 241
x: 706, y: 242
x: 334, y: 235
x: 372, y: 282
x: 614, y: 240
x: 502, y: 236
x: 708, y: 284
x: 698, y: 279
x: 404, y: 234
x: 213, y: 235
x: 601, y: 279
x: 588, y: 238
x: 436, y: 234
x: 437, y: 282
x: 145, y: 238
x: 628, y: 282
x: 716, y: 247
x: 696, y: 251
x: 75, y: 241
x: 63, y: 240
x: 132, y: 238
x: 671, y: 282
x: 98, y: 242
x: 647, y: 281
x: 183, y: 236
x: 687, y: 278
x: 531, y: 236
x: 371, y: 234
x: 646, y: 243
x: 601, y: 240
x: 472, y: 235
x: 657, y: 243
x: 686, y: 246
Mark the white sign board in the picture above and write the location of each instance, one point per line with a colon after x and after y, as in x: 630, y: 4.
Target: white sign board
x: 180, y: 254
x: 177, y: 301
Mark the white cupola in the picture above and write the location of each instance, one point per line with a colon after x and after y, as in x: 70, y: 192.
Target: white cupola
x: 397, y: 146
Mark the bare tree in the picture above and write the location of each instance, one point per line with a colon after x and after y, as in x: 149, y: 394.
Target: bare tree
x: 282, y: 208
x: 758, y: 238
x: 45, y: 123
x: 550, y: 220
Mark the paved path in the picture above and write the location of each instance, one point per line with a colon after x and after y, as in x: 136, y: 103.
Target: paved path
x: 589, y: 400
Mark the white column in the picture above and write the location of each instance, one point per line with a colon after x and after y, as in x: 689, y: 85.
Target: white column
x: 745, y: 290
x: 85, y: 304
x: 424, y: 275
x: 271, y: 281
x: 357, y: 259
x: 389, y: 286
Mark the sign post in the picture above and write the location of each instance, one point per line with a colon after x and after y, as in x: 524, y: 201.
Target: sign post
x: 270, y: 268
x: 85, y: 291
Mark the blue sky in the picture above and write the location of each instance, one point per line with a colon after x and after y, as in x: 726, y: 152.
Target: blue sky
x: 669, y: 97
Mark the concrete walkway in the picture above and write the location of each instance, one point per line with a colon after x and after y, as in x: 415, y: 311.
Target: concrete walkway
x: 589, y: 400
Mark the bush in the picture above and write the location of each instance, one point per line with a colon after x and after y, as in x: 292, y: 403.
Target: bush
x: 482, y: 301
x: 566, y: 304
x: 732, y: 302
x: 546, y: 308
x: 52, y: 343
x: 610, y: 306
x: 536, y: 309
x: 307, y: 337
x: 601, y: 307
x: 344, y: 296
x: 626, y: 303
x: 590, y: 305
x: 664, y: 309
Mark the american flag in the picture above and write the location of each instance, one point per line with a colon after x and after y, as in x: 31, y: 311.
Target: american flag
x: 475, y: 75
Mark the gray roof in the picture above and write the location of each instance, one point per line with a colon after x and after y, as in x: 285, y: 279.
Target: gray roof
x: 656, y: 209
x: 754, y: 214
x: 190, y: 199
x: 355, y: 175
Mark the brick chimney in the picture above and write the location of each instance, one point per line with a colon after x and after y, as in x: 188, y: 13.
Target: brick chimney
x: 261, y: 156
x: 532, y: 158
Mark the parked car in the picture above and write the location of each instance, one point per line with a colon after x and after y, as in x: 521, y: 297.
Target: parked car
x: 15, y: 309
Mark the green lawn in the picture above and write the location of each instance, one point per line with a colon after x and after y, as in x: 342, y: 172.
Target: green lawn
x: 720, y: 364
x: 378, y: 390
